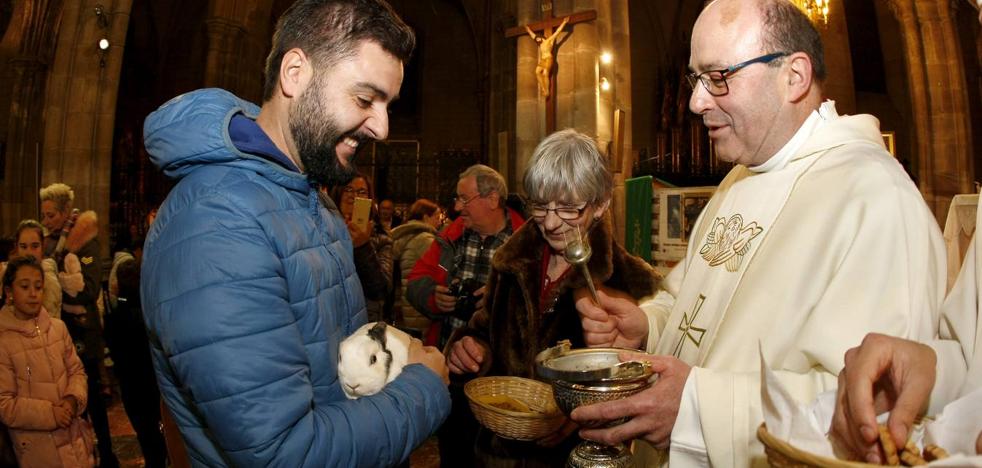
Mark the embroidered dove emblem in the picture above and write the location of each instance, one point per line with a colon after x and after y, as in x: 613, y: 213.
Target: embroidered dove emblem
x: 728, y: 241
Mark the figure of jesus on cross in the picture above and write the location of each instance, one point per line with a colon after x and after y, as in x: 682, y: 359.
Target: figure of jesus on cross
x: 543, y: 69
x: 547, y: 43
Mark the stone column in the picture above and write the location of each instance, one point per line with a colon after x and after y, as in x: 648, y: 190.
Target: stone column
x: 225, y: 38
x: 238, y: 36
x: 579, y: 102
x: 80, y: 104
x: 20, y: 181
x: 530, y: 117
x: 617, y: 41
x: 31, y: 34
x: 939, y: 100
x: 955, y: 166
x: 838, y: 60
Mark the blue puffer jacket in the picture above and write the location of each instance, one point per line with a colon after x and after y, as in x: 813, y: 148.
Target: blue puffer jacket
x: 248, y: 287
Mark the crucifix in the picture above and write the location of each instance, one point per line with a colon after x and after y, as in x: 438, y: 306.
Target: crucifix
x: 545, y: 71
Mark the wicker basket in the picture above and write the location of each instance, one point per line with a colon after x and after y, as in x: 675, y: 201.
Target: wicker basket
x: 782, y: 454
x: 544, y: 420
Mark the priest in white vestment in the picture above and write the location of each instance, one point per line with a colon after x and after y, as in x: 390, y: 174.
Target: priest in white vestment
x: 816, y: 238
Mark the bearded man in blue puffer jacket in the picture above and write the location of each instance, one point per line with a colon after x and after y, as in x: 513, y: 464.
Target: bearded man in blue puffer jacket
x: 249, y: 282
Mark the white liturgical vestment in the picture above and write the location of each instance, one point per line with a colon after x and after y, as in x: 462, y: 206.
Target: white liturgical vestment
x: 805, y: 259
x: 958, y: 349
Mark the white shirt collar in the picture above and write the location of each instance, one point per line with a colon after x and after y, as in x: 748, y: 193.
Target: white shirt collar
x: 818, y: 118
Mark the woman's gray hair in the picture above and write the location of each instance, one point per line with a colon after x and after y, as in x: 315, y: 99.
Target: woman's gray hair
x: 59, y: 193
x: 567, y: 166
x: 488, y: 180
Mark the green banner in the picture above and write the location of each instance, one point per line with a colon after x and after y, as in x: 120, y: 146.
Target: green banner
x: 638, y: 232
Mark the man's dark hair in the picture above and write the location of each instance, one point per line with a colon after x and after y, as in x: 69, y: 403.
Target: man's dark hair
x: 786, y: 29
x: 330, y: 30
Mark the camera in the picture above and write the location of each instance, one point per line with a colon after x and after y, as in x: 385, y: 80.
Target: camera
x: 464, y: 290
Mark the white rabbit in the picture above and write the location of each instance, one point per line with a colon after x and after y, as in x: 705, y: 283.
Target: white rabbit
x: 371, y: 357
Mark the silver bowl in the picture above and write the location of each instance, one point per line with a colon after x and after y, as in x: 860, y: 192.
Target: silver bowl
x: 586, y: 376
x: 570, y: 396
x: 593, y: 366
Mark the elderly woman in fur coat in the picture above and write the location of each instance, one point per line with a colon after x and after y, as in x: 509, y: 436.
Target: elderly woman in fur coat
x: 530, y: 300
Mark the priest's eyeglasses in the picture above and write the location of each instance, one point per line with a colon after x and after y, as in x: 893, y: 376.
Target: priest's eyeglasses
x: 565, y: 213
x: 715, y: 80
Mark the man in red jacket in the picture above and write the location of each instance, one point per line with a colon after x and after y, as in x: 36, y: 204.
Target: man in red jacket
x: 448, y: 282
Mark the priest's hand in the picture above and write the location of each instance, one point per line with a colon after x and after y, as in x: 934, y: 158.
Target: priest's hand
x: 651, y: 413
x: 466, y: 355
x: 616, y: 322
x: 884, y: 373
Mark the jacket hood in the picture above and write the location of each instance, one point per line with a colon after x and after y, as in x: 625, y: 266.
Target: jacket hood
x: 9, y: 323
x: 191, y: 130
x: 86, y: 228
x: 411, y: 229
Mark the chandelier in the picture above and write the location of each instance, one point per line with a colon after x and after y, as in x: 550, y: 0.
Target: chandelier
x: 817, y: 10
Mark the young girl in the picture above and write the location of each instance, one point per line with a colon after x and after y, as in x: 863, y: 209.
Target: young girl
x: 42, y: 381
x: 29, y: 241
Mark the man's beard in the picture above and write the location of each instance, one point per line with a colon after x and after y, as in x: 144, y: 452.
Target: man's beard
x: 316, y: 134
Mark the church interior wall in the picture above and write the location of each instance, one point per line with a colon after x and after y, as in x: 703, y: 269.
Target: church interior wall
x: 466, y: 88
x: 879, y: 75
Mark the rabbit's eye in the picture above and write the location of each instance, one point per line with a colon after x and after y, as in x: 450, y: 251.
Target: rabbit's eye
x: 372, y: 360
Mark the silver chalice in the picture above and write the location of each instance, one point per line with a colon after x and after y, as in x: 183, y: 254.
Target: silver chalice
x: 591, y: 375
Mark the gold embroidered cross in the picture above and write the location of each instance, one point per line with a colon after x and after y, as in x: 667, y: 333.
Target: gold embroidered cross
x: 685, y: 326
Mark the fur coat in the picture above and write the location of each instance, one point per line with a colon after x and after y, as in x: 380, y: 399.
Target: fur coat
x: 512, y: 323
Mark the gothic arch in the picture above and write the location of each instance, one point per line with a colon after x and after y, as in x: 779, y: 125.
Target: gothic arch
x: 939, y: 100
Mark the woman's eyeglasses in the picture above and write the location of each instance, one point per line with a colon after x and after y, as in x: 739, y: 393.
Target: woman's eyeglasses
x: 358, y: 192
x: 565, y: 213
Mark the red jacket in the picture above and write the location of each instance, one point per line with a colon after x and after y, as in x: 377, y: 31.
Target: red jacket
x: 437, y: 264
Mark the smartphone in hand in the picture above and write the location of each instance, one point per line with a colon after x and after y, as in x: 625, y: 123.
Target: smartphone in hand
x: 361, y: 212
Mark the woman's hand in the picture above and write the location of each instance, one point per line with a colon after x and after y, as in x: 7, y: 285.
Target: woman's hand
x: 466, y: 356
x: 360, y: 236
x: 63, y: 415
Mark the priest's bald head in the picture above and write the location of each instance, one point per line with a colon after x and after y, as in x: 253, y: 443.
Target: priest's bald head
x: 757, y: 68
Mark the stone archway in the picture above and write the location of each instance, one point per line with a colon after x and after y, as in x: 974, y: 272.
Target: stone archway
x: 939, y: 100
